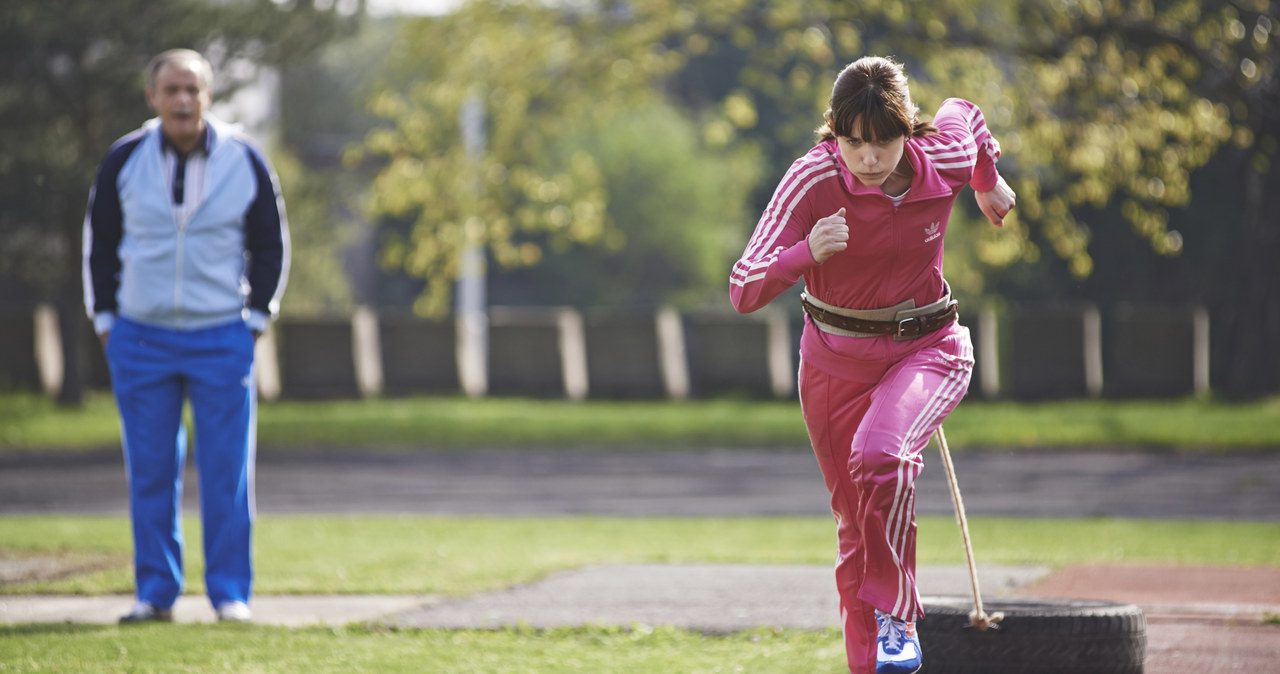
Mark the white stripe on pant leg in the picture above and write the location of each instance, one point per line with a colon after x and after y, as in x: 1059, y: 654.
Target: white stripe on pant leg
x: 895, y: 523
x: 931, y: 411
x: 905, y: 602
x: 900, y: 519
x: 903, y: 525
x: 913, y: 594
x: 891, y: 524
x: 898, y: 523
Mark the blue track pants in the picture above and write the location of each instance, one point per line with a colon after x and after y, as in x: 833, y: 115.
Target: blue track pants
x: 153, y: 370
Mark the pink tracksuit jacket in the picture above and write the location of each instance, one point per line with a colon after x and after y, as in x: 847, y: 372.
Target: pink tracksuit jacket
x: 893, y: 253
x: 871, y: 403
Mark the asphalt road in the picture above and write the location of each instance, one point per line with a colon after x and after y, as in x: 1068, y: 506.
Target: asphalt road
x: 1156, y: 484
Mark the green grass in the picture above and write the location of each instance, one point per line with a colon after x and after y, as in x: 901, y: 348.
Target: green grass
x: 462, y: 555
x: 459, y: 555
x: 171, y: 649
x: 36, y: 423
x: 401, y: 554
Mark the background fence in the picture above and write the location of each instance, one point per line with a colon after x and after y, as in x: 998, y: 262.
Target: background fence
x: 1023, y: 352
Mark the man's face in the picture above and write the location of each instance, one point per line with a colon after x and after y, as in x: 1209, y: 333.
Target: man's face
x: 180, y: 97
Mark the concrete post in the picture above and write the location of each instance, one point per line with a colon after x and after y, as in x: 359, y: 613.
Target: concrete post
x: 573, y: 353
x: 988, y: 348
x: 266, y: 362
x: 48, y: 339
x: 671, y: 353
x: 366, y: 352
x: 782, y: 373
x: 1200, y: 352
x: 1092, y: 321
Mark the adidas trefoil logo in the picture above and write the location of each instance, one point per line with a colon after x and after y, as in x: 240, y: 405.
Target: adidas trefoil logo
x: 932, y: 231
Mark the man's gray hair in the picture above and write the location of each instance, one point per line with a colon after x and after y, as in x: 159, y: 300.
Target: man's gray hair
x: 184, y: 56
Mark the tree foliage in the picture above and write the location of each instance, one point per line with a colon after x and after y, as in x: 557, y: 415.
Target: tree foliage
x: 537, y: 75
x: 1102, y: 106
x: 1098, y: 103
x: 675, y: 212
x: 1123, y: 101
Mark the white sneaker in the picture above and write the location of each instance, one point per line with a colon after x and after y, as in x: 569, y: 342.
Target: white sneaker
x: 145, y: 612
x: 897, y: 646
x: 234, y: 611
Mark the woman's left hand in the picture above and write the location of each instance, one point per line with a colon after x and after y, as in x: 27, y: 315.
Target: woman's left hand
x: 996, y: 202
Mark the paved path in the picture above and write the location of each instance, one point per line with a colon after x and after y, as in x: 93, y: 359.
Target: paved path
x: 704, y: 482
x: 711, y: 598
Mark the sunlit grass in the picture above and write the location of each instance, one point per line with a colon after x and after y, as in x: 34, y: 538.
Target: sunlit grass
x: 166, y: 649
x: 455, y: 555
x: 34, y: 422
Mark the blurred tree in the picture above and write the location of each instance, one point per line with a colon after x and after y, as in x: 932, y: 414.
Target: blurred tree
x: 1105, y: 109
x: 72, y: 83
x: 322, y: 111
x: 317, y: 284
x: 1121, y: 102
x: 676, y: 211
x: 541, y: 75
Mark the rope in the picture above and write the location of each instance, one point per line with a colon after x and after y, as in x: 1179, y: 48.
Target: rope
x: 977, y: 617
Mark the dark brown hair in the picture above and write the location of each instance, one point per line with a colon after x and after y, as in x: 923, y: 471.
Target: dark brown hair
x: 872, y: 90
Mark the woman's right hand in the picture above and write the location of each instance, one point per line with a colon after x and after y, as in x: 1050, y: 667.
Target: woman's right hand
x: 997, y: 202
x: 829, y: 236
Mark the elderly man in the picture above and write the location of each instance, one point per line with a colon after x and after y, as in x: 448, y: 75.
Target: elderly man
x: 186, y: 255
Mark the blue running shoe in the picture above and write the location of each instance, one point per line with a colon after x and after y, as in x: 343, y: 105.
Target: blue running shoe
x: 897, y: 646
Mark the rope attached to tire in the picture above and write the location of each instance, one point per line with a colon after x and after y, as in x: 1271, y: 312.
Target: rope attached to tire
x: 977, y: 617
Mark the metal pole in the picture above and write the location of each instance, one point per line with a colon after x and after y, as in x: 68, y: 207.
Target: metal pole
x: 473, y: 322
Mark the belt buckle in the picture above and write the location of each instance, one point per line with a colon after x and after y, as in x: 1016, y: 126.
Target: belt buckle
x: 909, y: 332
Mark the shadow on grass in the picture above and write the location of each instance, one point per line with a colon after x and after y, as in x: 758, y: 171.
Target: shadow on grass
x: 43, y: 629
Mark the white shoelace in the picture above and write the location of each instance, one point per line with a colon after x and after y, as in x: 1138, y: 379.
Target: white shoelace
x: 893, y: 630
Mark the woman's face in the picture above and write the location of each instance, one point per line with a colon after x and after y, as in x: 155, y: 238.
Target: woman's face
x: 871, y: 160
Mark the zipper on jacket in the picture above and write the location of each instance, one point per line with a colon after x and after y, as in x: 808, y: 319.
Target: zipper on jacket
x: 181, y: 226
x: 897, y: 245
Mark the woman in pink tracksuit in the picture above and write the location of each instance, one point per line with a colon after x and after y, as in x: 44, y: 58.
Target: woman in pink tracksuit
x: 861, y: 217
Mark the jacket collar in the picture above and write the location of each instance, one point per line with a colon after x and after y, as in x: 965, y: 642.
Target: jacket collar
x: 214, y: 131
x: 201, y: 147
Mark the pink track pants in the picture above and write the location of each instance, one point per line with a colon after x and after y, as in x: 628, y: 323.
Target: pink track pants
x: 868, y: 432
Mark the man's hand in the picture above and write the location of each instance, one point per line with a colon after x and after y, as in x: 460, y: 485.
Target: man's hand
x: 103, y: 338
x: 996, y: 202
x: 829, y: 236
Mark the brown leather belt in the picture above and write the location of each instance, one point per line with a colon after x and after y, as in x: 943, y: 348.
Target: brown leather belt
x: 907, y: 328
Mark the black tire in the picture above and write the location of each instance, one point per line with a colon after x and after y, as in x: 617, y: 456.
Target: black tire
x: 1064, y: 636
